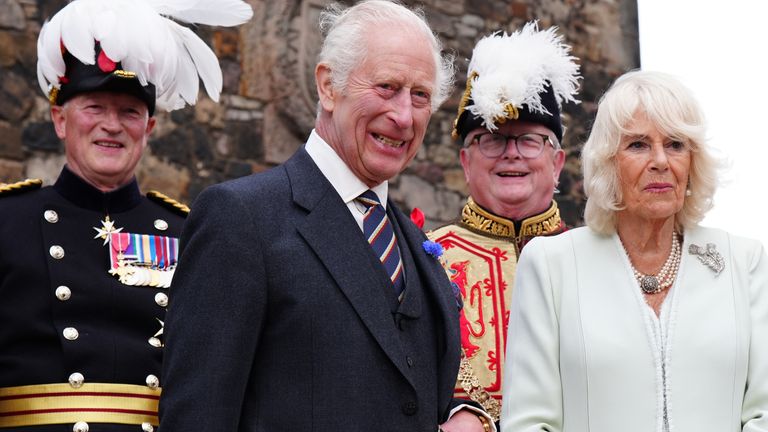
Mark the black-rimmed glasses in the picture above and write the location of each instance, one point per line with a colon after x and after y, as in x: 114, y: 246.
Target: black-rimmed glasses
x: 529, y: 145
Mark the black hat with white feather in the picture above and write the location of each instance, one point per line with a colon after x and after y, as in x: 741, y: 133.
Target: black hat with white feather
x: 135, y: 47
x: 526, y: 75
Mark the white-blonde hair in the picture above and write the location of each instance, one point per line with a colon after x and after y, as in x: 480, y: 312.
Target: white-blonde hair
x: 673, y: 110
x: 345, y: 29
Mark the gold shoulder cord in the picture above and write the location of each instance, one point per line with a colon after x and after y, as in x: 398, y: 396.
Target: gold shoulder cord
x: 165, y: 199
x: 28, y: 184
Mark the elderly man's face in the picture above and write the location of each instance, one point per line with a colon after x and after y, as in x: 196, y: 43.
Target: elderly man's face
x: 378, y: 122
x: 104, y: 134
x: 509, y: 185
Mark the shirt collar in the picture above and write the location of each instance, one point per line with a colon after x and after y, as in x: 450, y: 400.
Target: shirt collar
x: 346, y: 183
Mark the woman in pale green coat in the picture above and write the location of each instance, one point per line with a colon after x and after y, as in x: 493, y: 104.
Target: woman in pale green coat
x: 643, y: 320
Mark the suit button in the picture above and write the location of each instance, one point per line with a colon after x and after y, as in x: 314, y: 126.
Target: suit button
x: 153, y: 382
x: 71, y: 333
x: 51, y: 216
x: 161, y: 299
x: 161, y: 224
x: 410, y: 408
x: 56, y: 251
x: 76, y: 380
x: 147, y: 427
x: 80, y: 426
x: 63, y: 293
x: 409, y: 360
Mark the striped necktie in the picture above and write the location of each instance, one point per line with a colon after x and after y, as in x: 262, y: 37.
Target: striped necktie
x: 381, y: 237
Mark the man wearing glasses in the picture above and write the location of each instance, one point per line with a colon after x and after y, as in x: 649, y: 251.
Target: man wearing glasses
x: 510, y: 128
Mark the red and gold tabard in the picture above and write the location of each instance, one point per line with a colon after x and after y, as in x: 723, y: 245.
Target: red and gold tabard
x: 480, y: 256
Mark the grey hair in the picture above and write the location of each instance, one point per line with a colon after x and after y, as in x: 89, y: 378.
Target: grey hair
x: 670, y: 107
x: 344, y: 28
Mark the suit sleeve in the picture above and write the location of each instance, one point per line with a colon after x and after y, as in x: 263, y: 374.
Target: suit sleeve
x: 214, y: 318
x: 532, y: 387
x: 754, y: 415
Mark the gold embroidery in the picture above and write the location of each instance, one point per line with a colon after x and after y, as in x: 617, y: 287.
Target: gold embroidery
x: 124, y: 73
x: 510, y: 113
x: 52, y: 95
x: 475, y: 217
x: 463, y: 103
x: 475, y: 391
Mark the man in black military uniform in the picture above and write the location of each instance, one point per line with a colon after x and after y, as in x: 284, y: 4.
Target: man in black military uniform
x: 85, y: 264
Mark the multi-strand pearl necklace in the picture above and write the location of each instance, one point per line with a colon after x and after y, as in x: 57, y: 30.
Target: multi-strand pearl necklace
x: 652, y: 284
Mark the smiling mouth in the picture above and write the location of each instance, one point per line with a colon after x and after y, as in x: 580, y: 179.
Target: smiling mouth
x: 511, y: 174
x: 387, y: 141
x: 108, y: 144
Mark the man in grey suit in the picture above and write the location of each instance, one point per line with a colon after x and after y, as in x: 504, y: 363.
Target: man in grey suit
x: 304, y: 299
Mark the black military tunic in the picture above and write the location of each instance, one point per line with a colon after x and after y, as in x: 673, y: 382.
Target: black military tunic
x: 66, y: 321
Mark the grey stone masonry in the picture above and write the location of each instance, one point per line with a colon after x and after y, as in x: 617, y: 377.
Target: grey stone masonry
x: 268, y: 105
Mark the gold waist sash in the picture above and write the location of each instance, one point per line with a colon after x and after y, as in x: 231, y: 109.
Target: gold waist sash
x: 43, y: 404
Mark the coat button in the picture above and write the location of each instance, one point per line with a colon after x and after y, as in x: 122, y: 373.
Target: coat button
x: 80, y: 426
x: 76, y: 380
x: 51, y: 216
x: 56, y: 251
x: 63, y: 293
x: 147, y: 427
x: 410, y: 408
x: 161, y: 299
x: 161, y: 224
x: 155, y: 342
x: 71, y: 333
x: 153, y: 382
x: 409, y: 360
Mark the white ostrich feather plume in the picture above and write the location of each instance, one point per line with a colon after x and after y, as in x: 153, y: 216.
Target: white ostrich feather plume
x: 144, y: 37
x: 514, y: 69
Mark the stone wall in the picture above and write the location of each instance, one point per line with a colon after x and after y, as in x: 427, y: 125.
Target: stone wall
x: 268, y: 103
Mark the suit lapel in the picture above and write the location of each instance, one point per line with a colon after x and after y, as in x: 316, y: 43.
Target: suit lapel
x: 332, y: 233
x: 437, y: 289
x: 412, y: 298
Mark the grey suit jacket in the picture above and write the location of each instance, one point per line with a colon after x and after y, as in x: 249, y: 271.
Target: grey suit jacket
x: 282, y: 318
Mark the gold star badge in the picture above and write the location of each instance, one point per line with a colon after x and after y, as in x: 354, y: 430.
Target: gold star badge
x: 107, y: 228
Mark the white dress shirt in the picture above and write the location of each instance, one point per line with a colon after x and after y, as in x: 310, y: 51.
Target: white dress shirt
x: 346, y: 183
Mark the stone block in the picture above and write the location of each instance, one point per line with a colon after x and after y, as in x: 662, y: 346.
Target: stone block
x: 209, y: 113
x: 10, y: 143
x: 45, y: 166
x: 436, y: 204
x: 247, y: 142
x: 455, y: 180
x: 450, y: 7
x: 41, y: 136
x: 156, y: 174
x: 12, y: 15
x: 280, y: 142
x: 444, y: 155
x: 15, y: 100
x: 185, y: 146
x: 11, y: 171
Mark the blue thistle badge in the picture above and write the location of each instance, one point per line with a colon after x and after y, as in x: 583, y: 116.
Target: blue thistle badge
x: 432, y: 248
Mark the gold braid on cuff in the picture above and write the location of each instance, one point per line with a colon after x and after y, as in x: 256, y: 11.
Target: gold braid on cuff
x: 476, y: 392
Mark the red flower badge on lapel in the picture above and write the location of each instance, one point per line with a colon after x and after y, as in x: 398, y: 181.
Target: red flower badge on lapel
x: 417, y: 217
